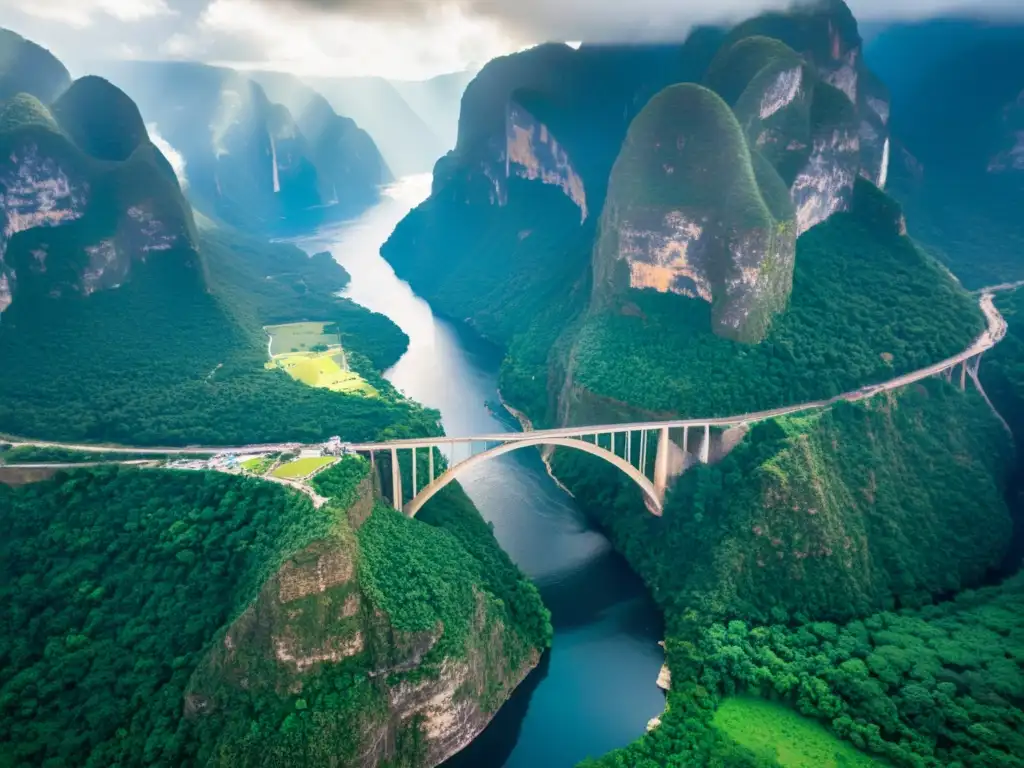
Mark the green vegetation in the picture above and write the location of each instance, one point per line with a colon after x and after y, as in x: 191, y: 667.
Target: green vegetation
x: 258, y: 466
x: 832, y: 515
x: 428, y: 595
x: 28, y: 454
x: 100, y: 119
x: 867, y: 306
x: 114, y: 582
x: 295, y: 337
x: 735, y: 66
x: 25, y: 111
x: 179, y: 391
x: 28, y: 68
x: 934, y: 687
x: 325, y: 369
x: 299, y: 468
x: 502, y: 265
x: 780, y: 734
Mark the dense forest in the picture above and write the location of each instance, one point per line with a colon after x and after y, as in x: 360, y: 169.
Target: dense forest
x: 419, y: 584
x: 197, y: 358
x: 114, y: 581
x: 139, y: 572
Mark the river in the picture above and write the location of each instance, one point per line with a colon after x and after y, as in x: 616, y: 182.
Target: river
x: 595, y: 691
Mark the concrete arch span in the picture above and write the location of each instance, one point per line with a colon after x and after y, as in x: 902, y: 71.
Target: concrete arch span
x: 622, y: 465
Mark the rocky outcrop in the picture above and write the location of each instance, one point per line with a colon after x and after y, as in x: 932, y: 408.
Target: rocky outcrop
x: 812, y: 110
x: 114, y: 197
x: 686, y: 214
x: 316, y: 612
x: 1010, y: 158
x: 532, y: 152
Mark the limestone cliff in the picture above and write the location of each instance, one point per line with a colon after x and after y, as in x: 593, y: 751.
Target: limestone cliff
x: 532, y: 152
x: 689, y: 213
x: 326, y: 621
x: 81, y: 198
x: 825, y: 35
x: 818, y: 117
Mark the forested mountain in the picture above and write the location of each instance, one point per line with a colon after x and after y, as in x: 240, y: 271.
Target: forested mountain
x: 261, y: 163
x: 127, y: 323
x: 188, y: 618
x: 701, y: 230
x: 197, y: 619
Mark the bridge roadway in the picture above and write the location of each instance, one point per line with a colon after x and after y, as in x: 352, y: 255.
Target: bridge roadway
x: 572, y: 436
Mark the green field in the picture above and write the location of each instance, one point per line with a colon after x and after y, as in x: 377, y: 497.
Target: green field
x: 775, y: 731
x: 258, y: 466
x: 299, y: 337
x: 301, y: 467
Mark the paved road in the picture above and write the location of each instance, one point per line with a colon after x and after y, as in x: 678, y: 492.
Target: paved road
x: 992, y: 335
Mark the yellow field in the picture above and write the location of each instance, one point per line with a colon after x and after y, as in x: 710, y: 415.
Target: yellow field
x: 301, y: 467
x: 323, y: 370
x: 300, y: 337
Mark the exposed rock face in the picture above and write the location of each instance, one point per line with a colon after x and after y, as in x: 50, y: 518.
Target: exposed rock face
x: 118, y: 212
x: 36, y: 190
x: 818, y: 116
x: 314, y: 612
x: 825, y: 185
x: 533, y: 153
x: 685, y: 214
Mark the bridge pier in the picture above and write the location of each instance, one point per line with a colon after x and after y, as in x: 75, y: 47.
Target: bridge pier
x: 415, y: 490
x: 643, y: 452
x: 396, y: 481
x: 661, y: 465
x: 963, y: 376
x: 430, y: 463
x: 705, y: 446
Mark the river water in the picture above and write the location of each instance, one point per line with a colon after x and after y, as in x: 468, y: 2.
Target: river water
x: 595, y: 691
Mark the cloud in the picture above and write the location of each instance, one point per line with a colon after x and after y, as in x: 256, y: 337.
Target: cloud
x: 84, y: 13
x: 273, y: 35
x: 173, y: 156
x: 619, y: 20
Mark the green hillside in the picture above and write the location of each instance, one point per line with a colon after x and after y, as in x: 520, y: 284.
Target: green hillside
x: 846, y: 326
x: 29, y: 68
x: 99, y: 671
x: 100, y: 119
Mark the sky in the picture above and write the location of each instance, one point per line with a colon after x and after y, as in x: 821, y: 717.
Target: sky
x: 401, y: 39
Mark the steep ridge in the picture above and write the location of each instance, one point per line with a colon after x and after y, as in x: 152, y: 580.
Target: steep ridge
x: 256, y: 166
x: 26, y: 67
x: 76, y: 218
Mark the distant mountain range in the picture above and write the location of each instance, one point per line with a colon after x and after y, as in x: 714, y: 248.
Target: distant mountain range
x: 413, y: 122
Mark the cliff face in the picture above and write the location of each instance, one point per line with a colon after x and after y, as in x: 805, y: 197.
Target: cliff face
x: 686, y: 214
x: 532, y: 152
x: 262, y: 163
x: 423, y: 697
x: 76, y: 215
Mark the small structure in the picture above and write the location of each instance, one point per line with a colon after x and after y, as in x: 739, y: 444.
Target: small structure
x: 333, y: 446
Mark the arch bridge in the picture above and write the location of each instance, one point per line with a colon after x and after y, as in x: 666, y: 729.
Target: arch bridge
x: 648, y: 453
